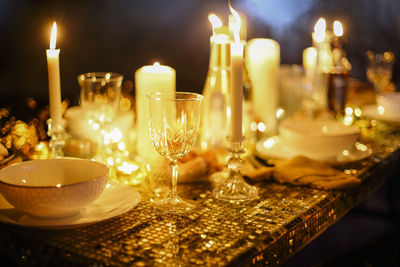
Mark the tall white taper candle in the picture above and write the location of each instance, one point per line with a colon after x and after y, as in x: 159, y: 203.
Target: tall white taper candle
x: 53, y: 66
x: 236, y: 90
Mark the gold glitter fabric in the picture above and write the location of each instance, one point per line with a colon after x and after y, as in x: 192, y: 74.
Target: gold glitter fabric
x: 265, y: 231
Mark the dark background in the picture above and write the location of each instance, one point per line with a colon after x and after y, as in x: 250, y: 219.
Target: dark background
x: 123, y: 35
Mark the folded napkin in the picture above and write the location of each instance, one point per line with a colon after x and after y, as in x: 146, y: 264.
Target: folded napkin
x: 194, y: 170
x: 304, y: 171
x: 197, y: 166
x: 255, y: 170
x: 297, y: 171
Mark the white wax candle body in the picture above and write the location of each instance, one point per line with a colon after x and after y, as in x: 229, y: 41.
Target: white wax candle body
x: 262, y: 62
x: 309, y: 60
x: 236, y: 92
x: 149, y: 79
x: 53, y: 66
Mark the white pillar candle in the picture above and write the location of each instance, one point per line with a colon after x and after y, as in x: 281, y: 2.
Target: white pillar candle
x: 149, y: 79
x: 53, y: 66
x: 321, y: 41
x: 262, y: 62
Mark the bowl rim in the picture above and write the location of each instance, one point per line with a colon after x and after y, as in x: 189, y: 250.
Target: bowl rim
x: 287, y: 127
x: 55, y: 186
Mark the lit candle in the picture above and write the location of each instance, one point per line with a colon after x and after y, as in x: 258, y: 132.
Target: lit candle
x: 149, y: 79
x: 53, y: 66
x: 243, y: 26
x: 262, y: 61
x: 319, y: 34
x: 236, y: 88
x: 321, y: 41
x: 338, y: 41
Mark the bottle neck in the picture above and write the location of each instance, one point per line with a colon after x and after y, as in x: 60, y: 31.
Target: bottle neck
x: 340, y: 62
x: 219, y: 55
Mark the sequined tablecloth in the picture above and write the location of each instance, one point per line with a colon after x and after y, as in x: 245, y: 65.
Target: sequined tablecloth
x: 266, y: 231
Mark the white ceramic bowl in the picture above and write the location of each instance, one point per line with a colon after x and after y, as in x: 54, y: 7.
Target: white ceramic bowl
x: 390, y: 103
x: 53, y: 188
x: 318, y: 138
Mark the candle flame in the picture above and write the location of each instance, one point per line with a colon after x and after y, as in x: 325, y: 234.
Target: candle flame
x: 319, y: 29
x: 53, y: 36
x: 236, y: 24
x: 337, y: 28
x: 215, y: 21
x: 157, y: 68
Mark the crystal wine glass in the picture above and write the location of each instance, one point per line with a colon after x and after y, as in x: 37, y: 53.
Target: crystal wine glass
x: 100, y: 94
x: 174, y: 126
x: 380, y: 69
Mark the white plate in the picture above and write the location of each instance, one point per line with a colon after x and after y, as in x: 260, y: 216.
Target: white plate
x: 372, y: 112
x: 273, y: 147
x: 116, y: 199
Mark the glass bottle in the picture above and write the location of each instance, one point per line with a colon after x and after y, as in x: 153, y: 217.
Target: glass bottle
x: 338, y: 80
x: 215, y: 108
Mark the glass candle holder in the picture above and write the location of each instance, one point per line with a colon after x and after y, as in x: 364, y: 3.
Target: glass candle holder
x: 233, y: 187
x: 57, y: 134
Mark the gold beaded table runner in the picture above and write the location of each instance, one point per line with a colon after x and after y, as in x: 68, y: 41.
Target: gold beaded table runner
x: 267, y: 230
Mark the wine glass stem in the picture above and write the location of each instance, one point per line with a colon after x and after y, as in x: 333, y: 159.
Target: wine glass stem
x: 174, y: 180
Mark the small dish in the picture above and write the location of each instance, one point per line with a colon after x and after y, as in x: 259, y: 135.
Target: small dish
x: 378, y: 113
x: 53, y: 188
x: 275, y: 148
x: 318, y: 138
x: 116, y: 199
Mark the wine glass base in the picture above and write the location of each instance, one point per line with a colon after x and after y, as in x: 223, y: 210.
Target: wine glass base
x: 172, y: 205
x: 234, y: 188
